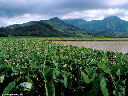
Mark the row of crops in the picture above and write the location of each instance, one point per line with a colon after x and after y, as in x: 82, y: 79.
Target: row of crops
x: 31, y: 67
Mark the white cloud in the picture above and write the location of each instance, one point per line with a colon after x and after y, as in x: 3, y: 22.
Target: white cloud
x: 116, y: 2
x: 97, y: 14
x: 20, y: 11
x: 22, y: 19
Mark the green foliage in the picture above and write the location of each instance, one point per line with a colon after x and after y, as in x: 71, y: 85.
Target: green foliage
x: 65, y: 28
x: 104, y: 67
x: 9, y: 87
x: 108, y: 27
x: 118, y: 73
x: 44, y: 28
x: 60, y: 70
x: 103, y: 87
x: 37, y: 29
x: 85, y: 78
x: 50, y: 89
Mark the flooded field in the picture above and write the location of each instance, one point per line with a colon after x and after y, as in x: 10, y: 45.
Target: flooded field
x: 116, y: 46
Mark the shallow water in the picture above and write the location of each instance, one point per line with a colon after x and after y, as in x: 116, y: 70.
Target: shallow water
x: 116, y: 46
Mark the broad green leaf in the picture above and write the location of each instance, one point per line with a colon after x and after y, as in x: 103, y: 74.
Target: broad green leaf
x: 65, y: 81
x: 85, y: 78
x: 105, y: 59
x: 100, y: 65
x: 107, y: 70
x: 105, y: 91
x: 9, y: 87
x: 104, y: 67
x: 94, y: 61
x: 95, y: 88
x: 50, y: 88
x: 47, y: 73
x: 54, y: 74
x: 118, y: 73
x: 29, y: 79
x: 103, y: 87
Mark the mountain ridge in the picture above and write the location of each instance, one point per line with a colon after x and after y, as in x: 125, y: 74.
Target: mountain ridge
x: 109, y: 26
x: 46, y: 28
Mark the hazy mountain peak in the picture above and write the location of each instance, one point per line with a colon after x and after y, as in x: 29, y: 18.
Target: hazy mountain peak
x: 112, y: 18
x: 111, y: 26
x: 79, y: 19
x: 55, y: 19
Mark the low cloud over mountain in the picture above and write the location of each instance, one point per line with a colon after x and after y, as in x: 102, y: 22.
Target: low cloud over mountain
x: 19, y: 11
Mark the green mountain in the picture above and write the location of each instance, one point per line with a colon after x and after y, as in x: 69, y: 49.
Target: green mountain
x: 37, y: 29
x: 22, y: 25
x: 66, y: 28
x: 109, y: 27
x: 76, y: 22
x: 46, y: 28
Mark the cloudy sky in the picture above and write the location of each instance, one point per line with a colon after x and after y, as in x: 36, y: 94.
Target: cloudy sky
x: 20, y: 11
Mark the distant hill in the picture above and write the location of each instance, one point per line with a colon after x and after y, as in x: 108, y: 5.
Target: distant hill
x: 22, y: 25
x: 58, y: 20
x: 46, y: 28
x: 66, y: 28
x: 76, y: 22
x: 37, y: 29
x: 111, y: 26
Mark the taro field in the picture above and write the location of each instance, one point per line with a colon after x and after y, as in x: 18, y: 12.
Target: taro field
x: 33, y: 67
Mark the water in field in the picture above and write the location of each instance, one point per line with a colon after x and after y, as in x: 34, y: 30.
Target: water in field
x: 116, y: 46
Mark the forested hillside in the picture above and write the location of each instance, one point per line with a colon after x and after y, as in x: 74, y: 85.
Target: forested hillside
x: 111, y: 26
x: 38, y: 29
x: 45, y: 28
x: 66, y: 28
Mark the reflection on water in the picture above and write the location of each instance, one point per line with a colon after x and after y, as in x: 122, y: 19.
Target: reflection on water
x: 120, y: 46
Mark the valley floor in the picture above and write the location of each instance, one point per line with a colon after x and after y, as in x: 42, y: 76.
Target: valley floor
x: 77, y: 38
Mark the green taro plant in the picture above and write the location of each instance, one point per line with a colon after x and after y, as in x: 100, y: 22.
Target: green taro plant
x: 32, y: 67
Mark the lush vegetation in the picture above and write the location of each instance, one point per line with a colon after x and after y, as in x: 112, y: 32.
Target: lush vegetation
x: 32, y: 67
x: 45, y: 28
x: 109, y: 27
x: 22, y: 25
x: 66, y: 28
x: 38, y: 29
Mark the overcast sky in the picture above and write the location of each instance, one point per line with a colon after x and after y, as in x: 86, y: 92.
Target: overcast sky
x: 20, y: 11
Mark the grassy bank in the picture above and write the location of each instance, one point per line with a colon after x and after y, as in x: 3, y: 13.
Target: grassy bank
x: 77, y: 39
x: 68, y: 38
